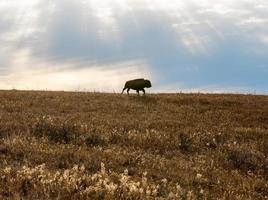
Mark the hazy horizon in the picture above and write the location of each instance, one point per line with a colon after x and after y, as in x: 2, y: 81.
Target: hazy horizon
x: 90, y: 45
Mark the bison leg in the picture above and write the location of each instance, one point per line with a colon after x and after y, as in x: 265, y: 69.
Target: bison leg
x: 123, y: 90
x: 138, y: 91
x: 143, y: 91
x: 128, y: 91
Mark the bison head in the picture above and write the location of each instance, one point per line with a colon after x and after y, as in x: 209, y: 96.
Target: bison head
x: 147, y: 84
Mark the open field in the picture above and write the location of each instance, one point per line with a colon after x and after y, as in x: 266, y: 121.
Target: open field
x: 63, y: 145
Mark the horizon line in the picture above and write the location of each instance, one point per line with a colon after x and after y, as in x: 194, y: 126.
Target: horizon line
x: 150, y: 93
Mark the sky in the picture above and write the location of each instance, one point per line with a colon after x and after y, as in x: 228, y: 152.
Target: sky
x: 96, y: 45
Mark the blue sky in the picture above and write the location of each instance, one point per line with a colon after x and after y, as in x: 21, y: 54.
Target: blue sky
x: 193, y: 45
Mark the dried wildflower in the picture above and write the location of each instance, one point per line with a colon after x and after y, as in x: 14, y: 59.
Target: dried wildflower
x: 178, y: 188
x: 144, y: 181
x: 148, y: 191
x: 138, y: 184
x: 105, y: 181
x: 75, y: 167
x: 66, y: 174
x: 94, y: 177
x: 111, y: 187
x: 171, y: 195
x: 7, y: 170
x: 154, y: 192
x: 190, y: 195
x: 102, y: 168
x: 124, y: 179
x: 198, y: 176
x: 82, y: 168
x: 164, y: 180
x: 133, y: 188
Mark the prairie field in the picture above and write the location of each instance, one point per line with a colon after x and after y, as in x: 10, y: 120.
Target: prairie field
x: 78, y: 145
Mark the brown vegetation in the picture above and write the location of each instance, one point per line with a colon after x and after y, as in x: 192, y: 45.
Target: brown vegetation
x: 63, y: 145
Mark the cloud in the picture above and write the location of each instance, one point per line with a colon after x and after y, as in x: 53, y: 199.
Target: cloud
x: 264, y: 39
x: 254, y: 20
x: 197, y: 43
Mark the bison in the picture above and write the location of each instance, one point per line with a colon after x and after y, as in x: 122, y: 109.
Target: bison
x: 137, y: 84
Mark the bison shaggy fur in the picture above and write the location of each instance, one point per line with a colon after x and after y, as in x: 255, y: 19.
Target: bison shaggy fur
x: 137, y: 84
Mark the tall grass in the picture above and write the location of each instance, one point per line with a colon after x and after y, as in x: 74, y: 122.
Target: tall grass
x: 68, y: 145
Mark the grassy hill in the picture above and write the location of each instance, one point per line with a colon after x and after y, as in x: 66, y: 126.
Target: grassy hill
x: 63, y: 145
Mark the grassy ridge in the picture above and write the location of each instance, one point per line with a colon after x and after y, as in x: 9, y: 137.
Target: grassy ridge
x: 106, y: 146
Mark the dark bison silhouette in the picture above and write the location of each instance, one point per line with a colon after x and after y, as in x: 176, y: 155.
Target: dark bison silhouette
x: 137, y: 84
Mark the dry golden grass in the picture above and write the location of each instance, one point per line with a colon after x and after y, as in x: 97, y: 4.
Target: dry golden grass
x: 63, y: 145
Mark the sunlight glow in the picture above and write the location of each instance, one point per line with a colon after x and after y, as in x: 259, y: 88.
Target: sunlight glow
x: 26, y: 73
